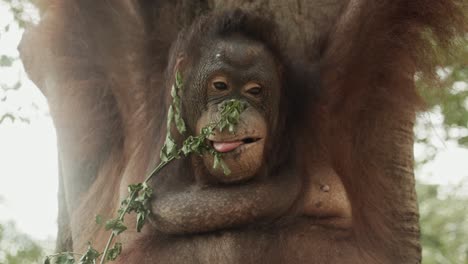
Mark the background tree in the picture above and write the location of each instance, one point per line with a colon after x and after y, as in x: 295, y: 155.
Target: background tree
x: 17, y: 247
x: 443, y: 209
x: 22, y: 12
x: 444, y: 224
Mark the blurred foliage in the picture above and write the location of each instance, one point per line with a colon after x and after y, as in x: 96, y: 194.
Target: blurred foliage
x: 452, y: 96
x: 444, y: 224
x: 20, y: 11
x: 18, y: 248
x: 444, y: 209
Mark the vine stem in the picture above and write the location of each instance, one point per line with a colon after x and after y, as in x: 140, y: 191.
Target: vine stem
x: 132, y: 197
x: 154, y: 172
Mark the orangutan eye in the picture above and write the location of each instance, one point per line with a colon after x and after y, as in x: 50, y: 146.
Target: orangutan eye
x: 255, y: 90
x: 220, y: 86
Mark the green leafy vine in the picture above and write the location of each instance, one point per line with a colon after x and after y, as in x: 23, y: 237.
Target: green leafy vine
x: 140, y: 194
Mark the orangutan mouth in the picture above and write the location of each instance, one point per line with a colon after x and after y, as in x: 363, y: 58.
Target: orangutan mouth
x: 227, y: 146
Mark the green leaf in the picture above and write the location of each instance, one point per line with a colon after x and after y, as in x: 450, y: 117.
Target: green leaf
x: 89, y: 256
x: 47, y: 260
x: 66, y: 258
x: 207, y: 131
x: 230, y: 114
x: 123, y: 204
x: 180, y: 124
x: 169, y: 150
x: 194, y: 145
x: 141, y: 219
x: 99, y: 219
x: 463, y: 141
x: 170, y: 117
x: 6, y: 61
x: 218, y: 161
x: 176, y: 103
x: 147, y: 191
x: 225, y: 168
x: 179, y: 81
x: 140, y: 204
x: 174, y: 92
x: 135, y: 188
x: 116, y: 225
x: 114, y: 252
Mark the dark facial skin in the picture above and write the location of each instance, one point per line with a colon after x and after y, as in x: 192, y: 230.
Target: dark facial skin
x: 243, y: 70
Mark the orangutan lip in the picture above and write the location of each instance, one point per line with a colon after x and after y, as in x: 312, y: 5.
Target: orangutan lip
x: 231, y: 145
x: 250, y: 140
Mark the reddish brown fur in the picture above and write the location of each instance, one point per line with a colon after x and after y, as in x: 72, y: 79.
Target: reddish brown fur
x: 101, y: 68
x: 371, y: 63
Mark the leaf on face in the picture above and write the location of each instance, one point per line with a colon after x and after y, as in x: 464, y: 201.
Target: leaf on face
x: 225, y: 168
x: 218, y: 161
x: 207, y: 131
x: 230, y: 114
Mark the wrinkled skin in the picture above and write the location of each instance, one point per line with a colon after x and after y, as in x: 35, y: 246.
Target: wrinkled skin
x: 243, y: 71
x: 326, y: 177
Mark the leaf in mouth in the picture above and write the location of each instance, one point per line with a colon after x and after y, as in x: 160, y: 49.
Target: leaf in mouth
x: 230, y: 114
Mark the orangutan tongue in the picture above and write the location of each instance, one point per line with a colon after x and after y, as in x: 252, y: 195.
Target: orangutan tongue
x: 226, y: 146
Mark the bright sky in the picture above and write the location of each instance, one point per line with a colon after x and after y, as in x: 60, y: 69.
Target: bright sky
x: 28, y: 154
